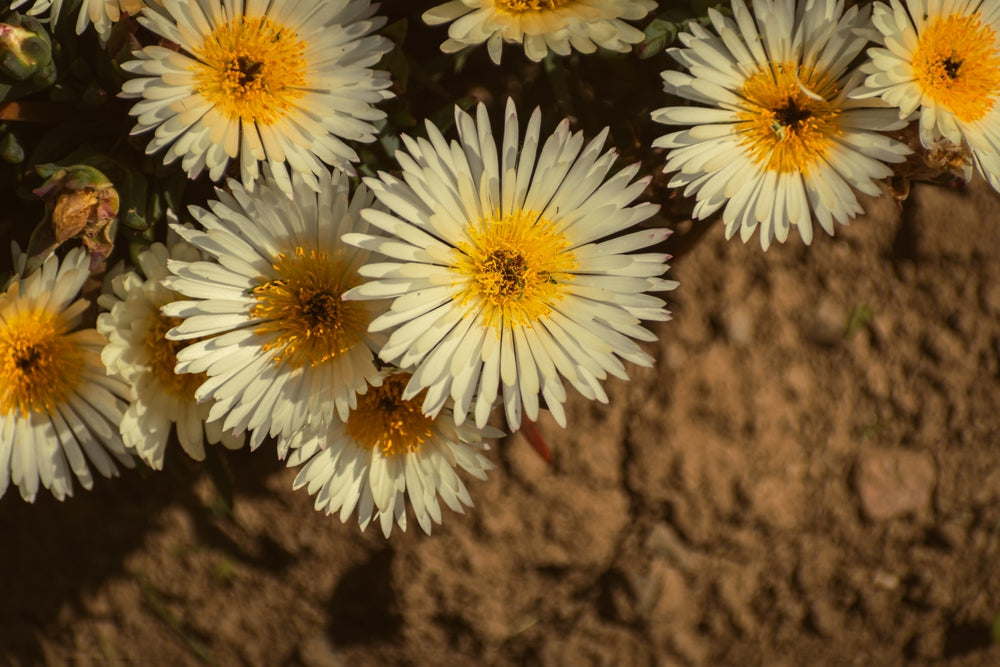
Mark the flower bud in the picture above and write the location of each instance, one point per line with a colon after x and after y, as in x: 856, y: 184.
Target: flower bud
x: 80, y: 202
x: 25, y: 50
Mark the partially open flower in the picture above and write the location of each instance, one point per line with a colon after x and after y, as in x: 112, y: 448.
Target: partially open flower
x: 139, y: 353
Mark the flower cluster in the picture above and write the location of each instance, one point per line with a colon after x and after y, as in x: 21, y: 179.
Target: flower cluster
x: 371, y: 331
x: 785, y: 128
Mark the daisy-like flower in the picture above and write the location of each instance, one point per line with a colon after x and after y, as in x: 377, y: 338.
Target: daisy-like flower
x: 388, y: 450
x: 280, y: 348
x: 507, y: 268
x: 102, y: 13
x: 778, y: 139
x: 943, y: 59
x: 58, y: 407
x: 139, y: 352
x: 540, y: 25
x: 281, y: 82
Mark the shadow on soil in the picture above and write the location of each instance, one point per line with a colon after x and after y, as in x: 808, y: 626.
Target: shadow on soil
x: 55, y: 554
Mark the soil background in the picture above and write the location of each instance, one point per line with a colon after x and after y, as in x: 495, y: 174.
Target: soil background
x: 808, y: 476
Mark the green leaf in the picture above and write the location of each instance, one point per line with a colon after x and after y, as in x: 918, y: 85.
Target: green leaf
x: 397, y: 32
x: 444, y: 118
x: 132, y: 192
x: 10, y: 148
x: 859, y: 318
x: 660, y: 34
x: 222, y: 503
x: 558, y: 75
x: 390, y: 142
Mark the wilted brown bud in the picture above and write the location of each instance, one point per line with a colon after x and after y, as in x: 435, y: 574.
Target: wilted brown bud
x: 943, y: 162
x: 80, y: 203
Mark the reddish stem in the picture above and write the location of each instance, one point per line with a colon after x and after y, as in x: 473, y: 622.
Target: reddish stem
x: 534, y: 436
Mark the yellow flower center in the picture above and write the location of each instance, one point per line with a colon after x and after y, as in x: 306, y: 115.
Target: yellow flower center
x: 782, y: 126
x: 516, y: 266
x: 522, y: 6
x: 957, y: 64
x: 303, y: 307
x: 251, y: 69
x: 40, y: 366
x: 384, y: 421
x: 163, y: 358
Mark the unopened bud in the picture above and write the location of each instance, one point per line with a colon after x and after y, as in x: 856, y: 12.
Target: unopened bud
x: 25, y: 49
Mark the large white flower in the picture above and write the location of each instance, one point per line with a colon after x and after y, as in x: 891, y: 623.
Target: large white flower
x: 281, y: 82
x: 282, y: 351
x: 540, y: 25
x: 943, y: 60
x: 777, y: 139
x: 139, y: 352
x: 102, y: 13
x: 507, y: 267
x: 388, y: 450
x: 58, y: 407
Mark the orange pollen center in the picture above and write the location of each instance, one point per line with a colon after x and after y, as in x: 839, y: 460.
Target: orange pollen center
x: 517, y: 266
x: 302, y: 312
x: 40, y: 364
x: 957, y: 64
x: 163, y: 358
x: 523, y: 6
x: 251, y: 69
x: 788, y: 120
x: 384, y: 421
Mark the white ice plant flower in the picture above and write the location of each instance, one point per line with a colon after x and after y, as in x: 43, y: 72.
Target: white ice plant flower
x: 139, y: 353
x: 775, y: 137
x: 102, y: 13
x: 941, y: 60
x: 509, y: 268
x: 286, y: 83
x: 59, y: 408
x: 281, y: 350
x: 540, y: 25
x: 386, y: 451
